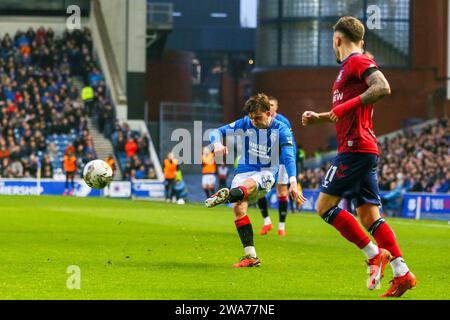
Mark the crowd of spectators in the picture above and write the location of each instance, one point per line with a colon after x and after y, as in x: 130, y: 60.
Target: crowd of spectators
x: 312, y: 178
x: 38, y: 98
x: 418, y: 161
x: 422, y: 159
x: 132, y: 150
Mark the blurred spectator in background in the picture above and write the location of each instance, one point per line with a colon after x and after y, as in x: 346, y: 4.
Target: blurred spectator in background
x: 131, y: 147
x: 111, y: 162
x: 47, y: 172
x: 222, y: 172
x: 208, y: 172
x: 170, y: 172
x: 300, y: 158
x: 392, y: 201
x: 105, y: 116
x: 152, y: 173
x: 180, y: 188
x: 46, y: 163
x: 141, y: 172
x: 70, y: 168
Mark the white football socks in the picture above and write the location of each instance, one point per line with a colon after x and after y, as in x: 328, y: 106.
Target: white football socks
x: 399, y: 267
x: 281, y: 225
x: 371, y: 250
x: 267, y: 221
x: 250, y: 251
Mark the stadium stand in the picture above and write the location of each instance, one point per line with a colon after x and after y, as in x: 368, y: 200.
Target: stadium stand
x: 422, y: 159
x: 41, y: 109
x: 51, y: 88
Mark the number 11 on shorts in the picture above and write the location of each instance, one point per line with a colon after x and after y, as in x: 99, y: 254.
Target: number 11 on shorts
x: 329, y: 176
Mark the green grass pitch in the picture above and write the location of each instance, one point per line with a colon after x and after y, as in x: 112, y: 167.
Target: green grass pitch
x: 147, y: 250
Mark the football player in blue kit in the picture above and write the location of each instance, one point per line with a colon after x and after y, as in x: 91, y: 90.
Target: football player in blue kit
x: 267, y: 142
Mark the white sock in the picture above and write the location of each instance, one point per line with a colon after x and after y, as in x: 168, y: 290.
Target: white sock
x: 267, y: 221
x: 250, y: 251
x: 399, y: 267
x: 371, y: 250
x: 281, y: 225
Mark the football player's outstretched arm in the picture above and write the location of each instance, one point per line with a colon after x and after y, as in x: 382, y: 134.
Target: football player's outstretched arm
x: 288, y: 158
x: 311, y: 117
x: 218, y: 136
x: 216, y: 141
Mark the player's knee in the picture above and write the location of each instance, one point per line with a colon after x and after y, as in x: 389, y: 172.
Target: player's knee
x: 282, y: 191
x: 250, y: 185
x: 322, y: 207
x: 238, y: 211
x: 368, y: 221
x: 365, y: 221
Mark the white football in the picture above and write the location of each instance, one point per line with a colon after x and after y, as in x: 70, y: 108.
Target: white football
x: 97, y: 174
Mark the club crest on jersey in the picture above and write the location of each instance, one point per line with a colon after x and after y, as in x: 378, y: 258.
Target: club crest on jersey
x: 339, y: 77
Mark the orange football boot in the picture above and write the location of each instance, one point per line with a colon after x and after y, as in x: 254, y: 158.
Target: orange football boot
x: 400, y: 284
x: 266, y: 228
x: 282, y: 233
x: 248, y: 261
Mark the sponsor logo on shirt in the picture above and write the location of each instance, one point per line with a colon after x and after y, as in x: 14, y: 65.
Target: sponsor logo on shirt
x: 337, y: 96
x: 259, y: 150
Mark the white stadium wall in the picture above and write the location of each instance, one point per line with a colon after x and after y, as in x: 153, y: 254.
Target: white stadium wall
x: 114, y: 15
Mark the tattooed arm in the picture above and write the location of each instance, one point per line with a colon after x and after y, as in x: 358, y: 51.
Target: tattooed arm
x: 378, y: 88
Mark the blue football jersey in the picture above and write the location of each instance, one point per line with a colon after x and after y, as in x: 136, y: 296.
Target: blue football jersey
x: 261, y: 149
x: 283, y: 119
